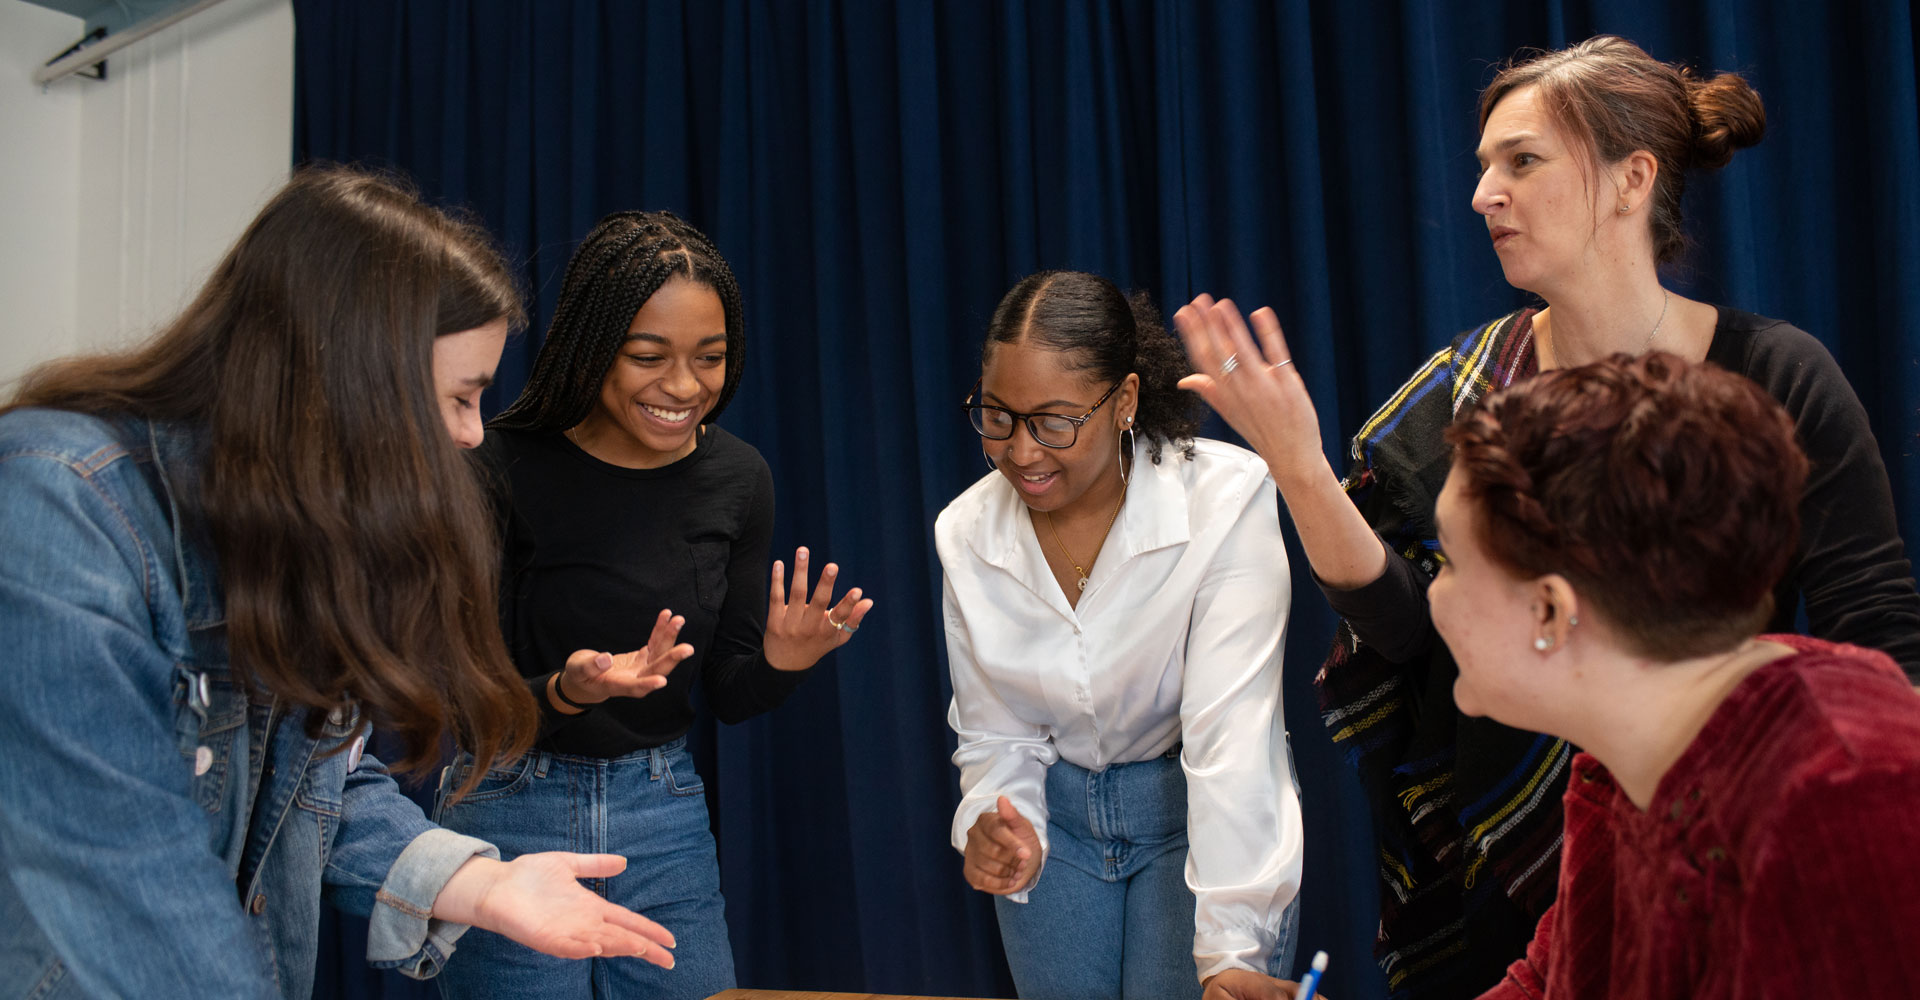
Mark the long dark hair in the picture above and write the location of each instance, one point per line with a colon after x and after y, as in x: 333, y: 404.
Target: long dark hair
x: 617, y: 268
x: 355, y: 550
x: 1110, y: 335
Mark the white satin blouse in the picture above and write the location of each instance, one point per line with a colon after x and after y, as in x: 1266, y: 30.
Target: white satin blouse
x: 1177, y: 638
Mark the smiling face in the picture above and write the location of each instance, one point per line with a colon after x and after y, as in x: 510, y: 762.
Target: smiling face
x: 1545, y: 207
x: 463, y: 365
x: 1027, y: 378
x: 667, y: 376
x: 1486, y: 615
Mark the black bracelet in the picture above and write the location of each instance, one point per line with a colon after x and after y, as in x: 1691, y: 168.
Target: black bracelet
x: 561, y: 692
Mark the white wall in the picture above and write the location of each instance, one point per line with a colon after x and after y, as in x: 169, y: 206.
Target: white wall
x: 39, y: 191
x: 157, y: 170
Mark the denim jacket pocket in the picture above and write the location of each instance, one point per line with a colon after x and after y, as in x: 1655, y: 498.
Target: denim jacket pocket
x: 322, y: 786
x: 210, y: 714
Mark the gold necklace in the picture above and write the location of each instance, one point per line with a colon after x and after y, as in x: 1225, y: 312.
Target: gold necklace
x: 1078, y: 571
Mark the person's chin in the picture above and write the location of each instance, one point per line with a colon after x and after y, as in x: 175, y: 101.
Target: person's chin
x: 1465, y: 700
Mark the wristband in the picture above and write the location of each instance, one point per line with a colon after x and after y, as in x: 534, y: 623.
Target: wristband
x: 560, y: 692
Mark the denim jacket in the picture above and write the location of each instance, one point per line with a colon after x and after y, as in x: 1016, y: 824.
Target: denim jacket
x: 160, y: 836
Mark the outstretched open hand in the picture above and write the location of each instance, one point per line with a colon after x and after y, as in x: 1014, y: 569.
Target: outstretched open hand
x: 537, y: 900
x: 592, y: 676
x: 1261, y: 393
x: 801, y: 630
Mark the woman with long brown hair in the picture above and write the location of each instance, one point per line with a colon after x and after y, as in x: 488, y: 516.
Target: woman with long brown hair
x: 230, y: 552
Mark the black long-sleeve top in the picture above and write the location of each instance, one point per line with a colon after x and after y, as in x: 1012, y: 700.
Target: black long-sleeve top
x: 592, y: 553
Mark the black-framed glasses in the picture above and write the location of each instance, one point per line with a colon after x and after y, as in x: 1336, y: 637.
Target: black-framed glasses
x: 1054, y: 430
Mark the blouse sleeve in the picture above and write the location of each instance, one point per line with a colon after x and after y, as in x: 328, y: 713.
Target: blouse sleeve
x: 1243, y: 814
x: 999, y: 752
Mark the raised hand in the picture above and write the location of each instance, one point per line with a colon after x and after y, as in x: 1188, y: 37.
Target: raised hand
x: 1003, y: 852
x: 591, y: 676
x: 801, y: 630
x: 537, y: 900
x: 1261, y: 393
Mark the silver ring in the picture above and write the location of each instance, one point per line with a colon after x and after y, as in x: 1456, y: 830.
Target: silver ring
x: 1227, y: 366
x: 1280, y: 364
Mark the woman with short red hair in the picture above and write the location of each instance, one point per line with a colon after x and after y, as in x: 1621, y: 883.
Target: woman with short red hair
x: 1740, y: 821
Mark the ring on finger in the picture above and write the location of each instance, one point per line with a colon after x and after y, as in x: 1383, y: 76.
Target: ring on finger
x: 1227, y: 366
x: 1279, y: 364
x: 841, y: 626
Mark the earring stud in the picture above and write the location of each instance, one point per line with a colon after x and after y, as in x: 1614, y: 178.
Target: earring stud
x: 1542, y: 643
x: 1623, y: 208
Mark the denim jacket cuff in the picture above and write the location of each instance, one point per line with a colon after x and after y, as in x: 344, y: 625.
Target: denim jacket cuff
x: 402, y: 933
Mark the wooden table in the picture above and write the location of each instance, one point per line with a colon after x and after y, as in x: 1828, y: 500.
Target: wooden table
x: 798, y: 995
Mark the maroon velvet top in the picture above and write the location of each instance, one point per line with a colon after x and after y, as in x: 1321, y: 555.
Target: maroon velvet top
x: 1780, y: 857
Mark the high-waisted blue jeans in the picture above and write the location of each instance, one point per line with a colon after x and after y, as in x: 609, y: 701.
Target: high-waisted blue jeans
x: 1111, y: 917
x: 648, y: 807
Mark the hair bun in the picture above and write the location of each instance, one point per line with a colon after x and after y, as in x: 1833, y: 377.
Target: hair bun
x: 1727, y: 117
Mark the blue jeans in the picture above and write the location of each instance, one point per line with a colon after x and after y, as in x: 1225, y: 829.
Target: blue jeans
x: 1111, y: 916
x: 648, y: 807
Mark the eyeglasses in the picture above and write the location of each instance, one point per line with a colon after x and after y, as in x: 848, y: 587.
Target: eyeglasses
x: 1054, y: 430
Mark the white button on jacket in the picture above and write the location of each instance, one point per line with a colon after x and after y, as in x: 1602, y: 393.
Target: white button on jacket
x: 1177, y: 639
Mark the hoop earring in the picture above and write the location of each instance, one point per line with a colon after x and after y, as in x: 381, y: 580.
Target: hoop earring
x: 992, y: 466
x: 1126, y: 449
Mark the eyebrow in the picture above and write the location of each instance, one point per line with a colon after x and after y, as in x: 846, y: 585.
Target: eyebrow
x: 1508, y: 143
x: 478, y: 381
x: 1069, y: 404
x: 654, y: 338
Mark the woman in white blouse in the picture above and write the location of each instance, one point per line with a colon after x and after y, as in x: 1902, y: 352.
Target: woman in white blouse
x: 1115, y: 602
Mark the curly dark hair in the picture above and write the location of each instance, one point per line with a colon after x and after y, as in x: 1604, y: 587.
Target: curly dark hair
x: 618, y: 267
x: 1110, y: 334
x: 1666, y: 491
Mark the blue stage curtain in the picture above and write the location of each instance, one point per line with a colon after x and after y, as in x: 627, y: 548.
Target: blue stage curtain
x: 880, y: 173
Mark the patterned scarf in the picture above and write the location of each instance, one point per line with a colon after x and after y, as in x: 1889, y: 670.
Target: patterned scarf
x: 1466, y: 811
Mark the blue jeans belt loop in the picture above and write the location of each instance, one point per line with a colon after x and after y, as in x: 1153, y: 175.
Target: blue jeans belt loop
x: 542, y: 760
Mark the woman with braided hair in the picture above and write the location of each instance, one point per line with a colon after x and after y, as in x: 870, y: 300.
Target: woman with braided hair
x: 1114, y: 625
x: 630, y: 521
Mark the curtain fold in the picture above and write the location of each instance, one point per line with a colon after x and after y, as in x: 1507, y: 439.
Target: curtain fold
x: 880, y: 173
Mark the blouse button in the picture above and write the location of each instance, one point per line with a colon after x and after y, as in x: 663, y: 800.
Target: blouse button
x: 259, y: 904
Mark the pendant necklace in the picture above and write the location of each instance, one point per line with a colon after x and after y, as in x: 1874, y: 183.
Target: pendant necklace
x: 1078, y: 571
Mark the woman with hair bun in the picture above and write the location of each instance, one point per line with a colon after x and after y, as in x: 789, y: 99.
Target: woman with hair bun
x: 1114, y: 626
x: 1585, y: 154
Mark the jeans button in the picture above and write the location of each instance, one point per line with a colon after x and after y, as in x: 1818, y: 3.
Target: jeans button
x: 259, y: 904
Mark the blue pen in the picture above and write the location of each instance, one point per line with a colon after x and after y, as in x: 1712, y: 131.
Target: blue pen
x: 1312, y: 980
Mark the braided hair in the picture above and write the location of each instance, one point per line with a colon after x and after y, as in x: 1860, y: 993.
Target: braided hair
x: 1110, y: 335
x: 625, y: 259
